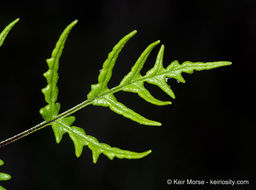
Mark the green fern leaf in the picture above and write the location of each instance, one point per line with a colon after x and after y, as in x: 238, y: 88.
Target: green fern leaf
x: 80, y: 139
x: 51, y: 90
x: 101, y: 95
x: 64, y: 125
x: 158, y: 74
x: 110, y: 101
x: 131, y: 82
x: 106, y: 72
x: 3, y: 176
x: 6, y: 30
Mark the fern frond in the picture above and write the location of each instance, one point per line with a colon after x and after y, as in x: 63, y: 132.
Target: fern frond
x: 6, y: 30
x: 101, y: 95
x: 51, y: 90
x: 64, y: 125
x: 3, y: 176
x: 80, y: 140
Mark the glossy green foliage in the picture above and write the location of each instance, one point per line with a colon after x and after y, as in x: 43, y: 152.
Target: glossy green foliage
x: 3, y: 176
x: 6, y: 30
x: 51, y: 90
x: 101, y: 95
x: 64, y: 125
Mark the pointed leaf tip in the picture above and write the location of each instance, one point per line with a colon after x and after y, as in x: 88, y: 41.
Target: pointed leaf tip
x: 146, y: 153
x: 226, y: 63
x: 95, y: 155
x: 6, y: 30
x: 157, y: 123
x: 16, y: 20
x: 74, y: 22
x: 127, y: 37
x: 133, y: 32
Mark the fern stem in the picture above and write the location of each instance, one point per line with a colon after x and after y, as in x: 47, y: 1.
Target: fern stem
x: 24, y: 133
x: 47, y: 123
x: 43, y: 124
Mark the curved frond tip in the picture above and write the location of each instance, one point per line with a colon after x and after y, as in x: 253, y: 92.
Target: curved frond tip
x: 6, y: 30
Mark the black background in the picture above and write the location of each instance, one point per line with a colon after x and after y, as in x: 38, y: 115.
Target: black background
x: 206, y: 133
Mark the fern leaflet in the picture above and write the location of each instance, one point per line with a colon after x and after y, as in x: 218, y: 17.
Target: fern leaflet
x: 64, y: 125
x: 101, y: 95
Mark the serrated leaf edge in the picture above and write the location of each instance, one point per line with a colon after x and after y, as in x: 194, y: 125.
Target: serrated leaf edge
x: 156, y: 76
x: 63, y: 125
x: 96, y: 147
